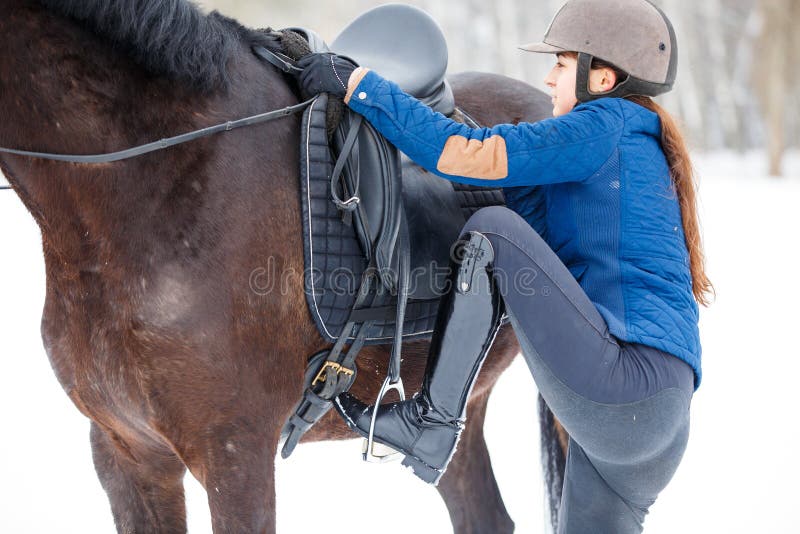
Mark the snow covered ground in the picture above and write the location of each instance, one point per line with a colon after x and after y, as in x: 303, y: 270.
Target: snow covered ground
x: 739, y: 474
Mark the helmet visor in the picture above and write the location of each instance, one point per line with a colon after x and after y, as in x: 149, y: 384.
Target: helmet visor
x: 542, y: 48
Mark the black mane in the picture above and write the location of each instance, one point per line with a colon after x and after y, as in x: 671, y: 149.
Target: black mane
x: 171, y: 38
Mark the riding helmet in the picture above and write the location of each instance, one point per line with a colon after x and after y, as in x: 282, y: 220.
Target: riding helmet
x: 633, y: 35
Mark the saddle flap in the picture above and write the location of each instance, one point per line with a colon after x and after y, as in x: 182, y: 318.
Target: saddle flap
x: 435, y: 220
x: 373, y: 175
x: 433, y: 209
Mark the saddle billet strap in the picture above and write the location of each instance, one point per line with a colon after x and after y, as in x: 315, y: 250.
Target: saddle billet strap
x: 329, y: 373
x: 384, y: 314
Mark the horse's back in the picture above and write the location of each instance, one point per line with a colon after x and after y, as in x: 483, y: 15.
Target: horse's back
x: 496, y: 99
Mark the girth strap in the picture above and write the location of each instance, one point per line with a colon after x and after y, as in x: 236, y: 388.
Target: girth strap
x: 331, y: 373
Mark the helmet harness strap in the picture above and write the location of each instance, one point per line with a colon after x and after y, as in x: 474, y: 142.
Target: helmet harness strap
x: 627, y: 87
x: 584, y: 93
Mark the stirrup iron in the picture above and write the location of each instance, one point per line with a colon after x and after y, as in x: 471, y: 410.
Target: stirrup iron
x: 378, y: 452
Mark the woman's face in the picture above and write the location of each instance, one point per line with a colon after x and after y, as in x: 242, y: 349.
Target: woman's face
x: 561, y: 82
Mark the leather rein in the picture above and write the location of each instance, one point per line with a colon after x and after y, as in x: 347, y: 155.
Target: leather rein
x: 280, y: 61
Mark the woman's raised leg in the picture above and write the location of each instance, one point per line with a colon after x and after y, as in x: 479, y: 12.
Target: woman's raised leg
x: 625, y: 406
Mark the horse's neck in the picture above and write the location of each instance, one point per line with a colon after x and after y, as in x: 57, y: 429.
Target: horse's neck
x: 70, y: 93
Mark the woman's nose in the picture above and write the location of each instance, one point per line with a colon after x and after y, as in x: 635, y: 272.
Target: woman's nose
x: 549, y: 80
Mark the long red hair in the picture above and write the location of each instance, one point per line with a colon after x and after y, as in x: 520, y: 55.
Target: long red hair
x: 683, y: 178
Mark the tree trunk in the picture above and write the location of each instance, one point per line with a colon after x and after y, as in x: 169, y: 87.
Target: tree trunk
x: 773, y: 73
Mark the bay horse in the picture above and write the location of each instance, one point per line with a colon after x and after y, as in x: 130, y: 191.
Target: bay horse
x: 149, y: 321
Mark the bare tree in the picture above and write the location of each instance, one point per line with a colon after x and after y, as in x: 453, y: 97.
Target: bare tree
x: 773, y: 74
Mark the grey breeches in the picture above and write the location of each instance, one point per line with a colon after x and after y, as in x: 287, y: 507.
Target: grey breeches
x: 624, y: 405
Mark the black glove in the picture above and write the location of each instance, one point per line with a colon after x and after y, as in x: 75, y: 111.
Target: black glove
x: 325, y: 73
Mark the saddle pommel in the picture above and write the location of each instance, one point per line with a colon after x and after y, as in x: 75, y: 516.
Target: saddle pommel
x: 403, y: 44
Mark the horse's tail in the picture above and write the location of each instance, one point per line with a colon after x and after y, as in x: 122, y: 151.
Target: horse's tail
x: 553, y: 461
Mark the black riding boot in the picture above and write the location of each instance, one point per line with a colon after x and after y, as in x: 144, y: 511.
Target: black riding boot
x: 426, y: 427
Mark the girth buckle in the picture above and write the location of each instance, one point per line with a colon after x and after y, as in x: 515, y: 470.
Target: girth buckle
x: 337, y: 368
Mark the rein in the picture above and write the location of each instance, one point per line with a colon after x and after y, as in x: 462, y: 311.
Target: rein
x: 278, y: 61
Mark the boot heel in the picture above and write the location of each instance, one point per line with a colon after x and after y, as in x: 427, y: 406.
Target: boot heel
x: 425, y: 472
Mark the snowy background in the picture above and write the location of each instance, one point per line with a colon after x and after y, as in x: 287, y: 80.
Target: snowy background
x: 739, y: 474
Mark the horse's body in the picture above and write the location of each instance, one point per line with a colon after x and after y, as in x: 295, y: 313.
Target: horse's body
x: 150, y: 322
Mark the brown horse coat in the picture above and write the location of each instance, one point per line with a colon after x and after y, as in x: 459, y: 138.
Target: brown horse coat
x: 150, y: 322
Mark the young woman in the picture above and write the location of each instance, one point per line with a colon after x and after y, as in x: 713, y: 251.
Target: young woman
x: 597, y: 260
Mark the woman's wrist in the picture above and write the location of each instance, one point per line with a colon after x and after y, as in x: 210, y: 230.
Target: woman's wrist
x: 355, y: 78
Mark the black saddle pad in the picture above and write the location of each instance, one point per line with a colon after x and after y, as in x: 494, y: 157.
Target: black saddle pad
x: 334, y: 261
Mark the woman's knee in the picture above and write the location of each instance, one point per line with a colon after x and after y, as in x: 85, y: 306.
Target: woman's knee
x: 496, y: 219
x: 651, y: 431
x: 516, y: 244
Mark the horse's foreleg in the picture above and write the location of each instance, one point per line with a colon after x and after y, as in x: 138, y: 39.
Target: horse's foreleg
x: 145, y: 486
x: 468, y: 487
x: 236, y: 466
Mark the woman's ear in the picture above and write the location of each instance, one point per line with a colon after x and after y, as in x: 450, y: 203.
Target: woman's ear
x: 602, y: 80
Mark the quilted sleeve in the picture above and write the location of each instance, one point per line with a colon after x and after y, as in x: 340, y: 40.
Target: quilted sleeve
x: 570, y: 148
